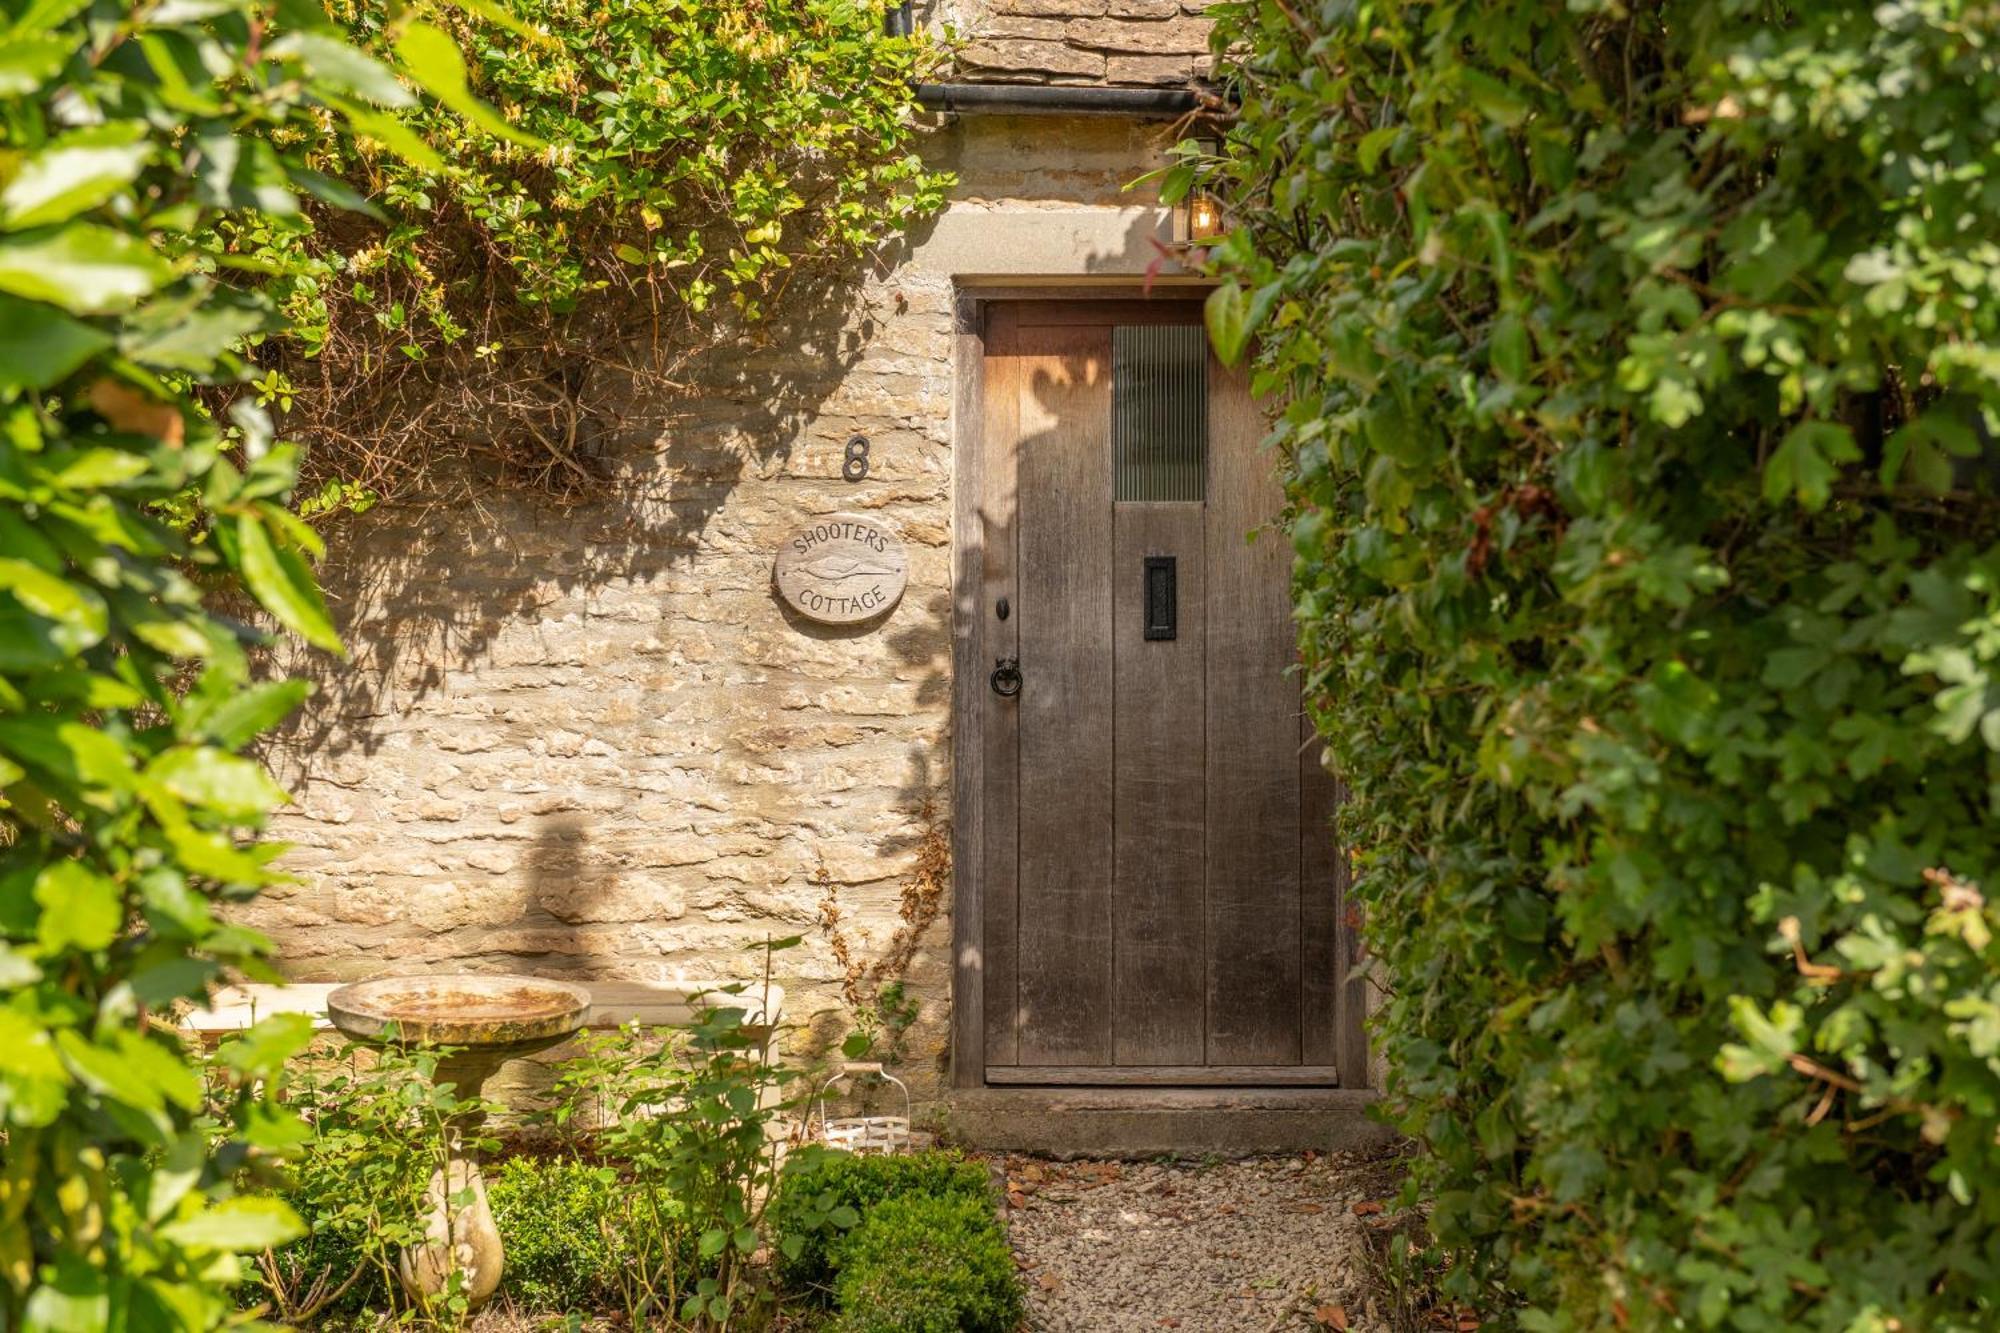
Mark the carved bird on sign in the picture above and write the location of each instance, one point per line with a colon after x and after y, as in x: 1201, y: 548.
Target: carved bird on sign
x: 834, y: 568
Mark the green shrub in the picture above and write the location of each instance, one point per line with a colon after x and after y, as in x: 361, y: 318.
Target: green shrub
x: 559, y: 1221
x: 702, y: 157
x: 816, y: 1204
x: 329, y: 1269
x: 927, y: 1263
x: 1640, y: 368
x: 686, y: 1117
x: 135, y: 530
x: 376, y: 1126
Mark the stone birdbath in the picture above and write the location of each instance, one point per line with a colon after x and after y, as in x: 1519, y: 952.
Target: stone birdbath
x: 488, y: 1020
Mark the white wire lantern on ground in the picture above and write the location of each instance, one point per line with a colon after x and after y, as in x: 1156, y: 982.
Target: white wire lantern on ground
x: 860, y: 1133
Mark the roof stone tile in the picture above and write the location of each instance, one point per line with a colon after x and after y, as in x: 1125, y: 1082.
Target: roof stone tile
x: 1181, y: 36
x: 1143, y: 43
x: 1029, y: 57
x: 1082, y: 9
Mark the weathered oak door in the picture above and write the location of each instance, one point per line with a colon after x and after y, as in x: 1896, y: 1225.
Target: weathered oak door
x: 1159, y: 888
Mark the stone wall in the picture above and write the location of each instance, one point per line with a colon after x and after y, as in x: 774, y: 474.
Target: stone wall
x: 590, y: 742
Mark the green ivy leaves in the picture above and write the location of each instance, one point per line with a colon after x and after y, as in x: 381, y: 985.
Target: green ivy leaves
x: 1807, y: 462
x: 1639, y: 409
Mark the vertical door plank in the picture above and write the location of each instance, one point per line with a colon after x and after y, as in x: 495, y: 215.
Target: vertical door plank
x: 1160, y: 817
x: 999, y: 742
x: 1321, y: 966
x: 1253, y: 740
x: 968, y: 705
x: 1063, y: 472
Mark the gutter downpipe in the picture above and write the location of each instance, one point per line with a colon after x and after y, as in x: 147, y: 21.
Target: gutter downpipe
x: 1046, y: 99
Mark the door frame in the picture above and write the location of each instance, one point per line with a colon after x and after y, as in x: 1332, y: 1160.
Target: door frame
x: 972, y: 306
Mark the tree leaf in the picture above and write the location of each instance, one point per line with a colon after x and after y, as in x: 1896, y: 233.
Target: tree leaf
x: 246, y: 714
x: 85, y: 268
x: 1494, y: 99
x: 237, y: 1225
x: 1508, y: 348
x: 1373, y: 144
x: 70, y: 754
x: 33, y: 1079
x: 231, y: 786
x: 42, y: 16
x: 284, y: 587
x: 432, y: 58
x: 494, y: 12
x: 397, y: 137
x: 262, y: 1050
x: 328, y: 59
x: 40, y: 346
x: 81, y: 909
x: 336, y: 193
x: 1926, y: 446
x: 190, y: 338
x: 76, y: 172
x: 1227, y: 314
x: 77, y: 609
x: 77, y: 1300
x: 28, y: 62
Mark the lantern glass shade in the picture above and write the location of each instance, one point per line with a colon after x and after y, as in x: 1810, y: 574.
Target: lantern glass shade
x: 1204, y: 216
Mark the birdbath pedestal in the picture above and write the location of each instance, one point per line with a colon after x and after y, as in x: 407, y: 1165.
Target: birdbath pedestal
x: 488, y: 1020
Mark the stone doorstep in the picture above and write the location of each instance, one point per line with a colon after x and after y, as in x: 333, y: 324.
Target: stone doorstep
x: 1149, y: 1122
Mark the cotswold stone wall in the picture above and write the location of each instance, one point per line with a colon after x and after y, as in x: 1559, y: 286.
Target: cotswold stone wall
x: 591, y: 742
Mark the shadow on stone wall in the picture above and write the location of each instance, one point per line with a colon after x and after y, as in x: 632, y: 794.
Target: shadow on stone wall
x: 422, y: 590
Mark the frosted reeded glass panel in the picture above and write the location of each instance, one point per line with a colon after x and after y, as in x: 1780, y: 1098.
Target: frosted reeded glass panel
x: 1159, y: 412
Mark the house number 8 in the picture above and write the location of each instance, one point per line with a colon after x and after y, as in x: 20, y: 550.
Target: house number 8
x: 855, y: 467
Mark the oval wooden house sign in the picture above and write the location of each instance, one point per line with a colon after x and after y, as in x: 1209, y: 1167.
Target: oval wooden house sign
x: 841, y: 569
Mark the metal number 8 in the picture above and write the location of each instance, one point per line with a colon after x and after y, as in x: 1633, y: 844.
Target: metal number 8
x: 855, y: 467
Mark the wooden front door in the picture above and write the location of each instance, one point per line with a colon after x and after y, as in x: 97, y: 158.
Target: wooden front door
x: 1158, y: 880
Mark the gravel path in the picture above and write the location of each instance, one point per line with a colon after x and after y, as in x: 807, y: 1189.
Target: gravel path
x: 1260, y: 1245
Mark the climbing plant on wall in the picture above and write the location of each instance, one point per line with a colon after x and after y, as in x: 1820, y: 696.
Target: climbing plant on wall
x: 1640, y: 370
x: 515, y: 304
x: 135, y: 141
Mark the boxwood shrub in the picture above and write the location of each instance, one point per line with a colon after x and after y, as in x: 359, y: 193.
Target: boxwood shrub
x: 554, y: 1216
x: 927, y: 1263
x: 1639, y: 372
x: 816, y: 1208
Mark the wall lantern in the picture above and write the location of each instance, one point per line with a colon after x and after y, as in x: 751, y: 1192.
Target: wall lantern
x: 1204, y: 216
x: 1201, y: 212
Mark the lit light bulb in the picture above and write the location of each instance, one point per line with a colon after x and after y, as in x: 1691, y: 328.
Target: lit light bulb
x: 1204, y: 216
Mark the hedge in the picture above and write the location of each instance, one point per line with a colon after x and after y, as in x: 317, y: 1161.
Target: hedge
x: 928, y: 1263
x: 816, y: 1208
x: 1640, y: 374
